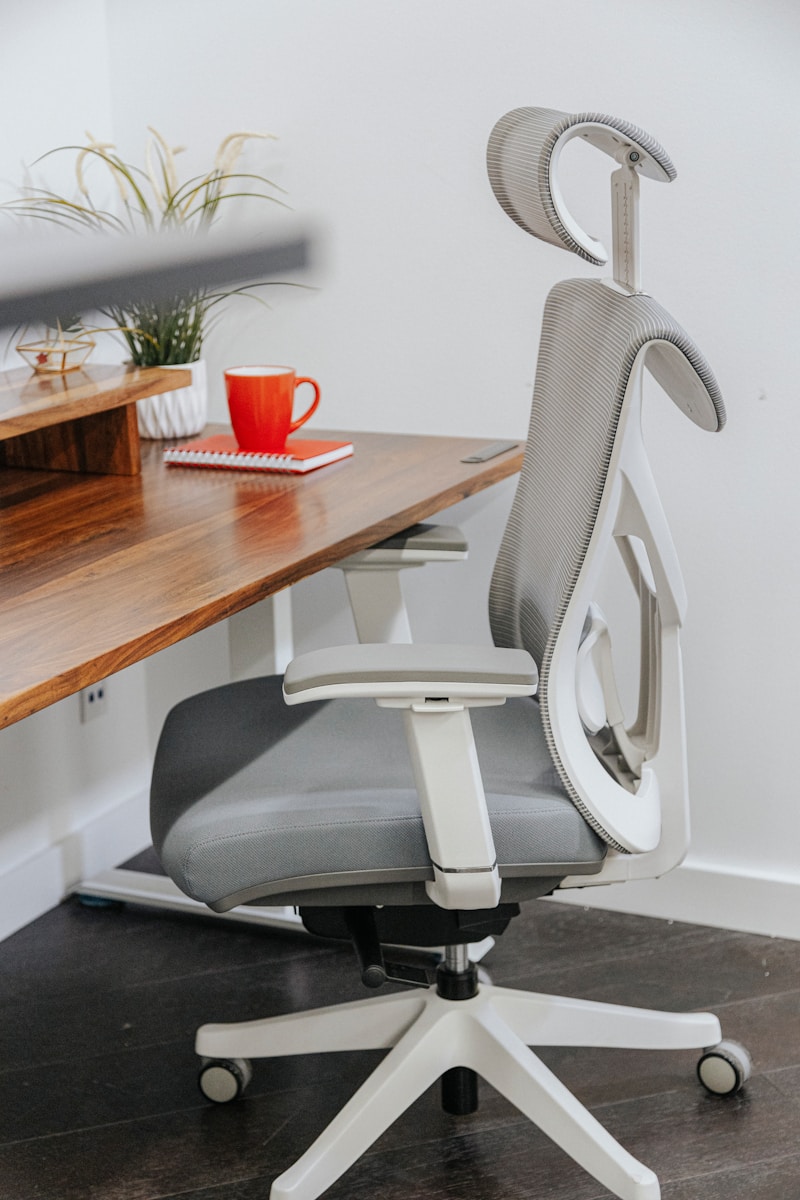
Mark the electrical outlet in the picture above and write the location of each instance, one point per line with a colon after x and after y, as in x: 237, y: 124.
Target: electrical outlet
x: 94, y: 701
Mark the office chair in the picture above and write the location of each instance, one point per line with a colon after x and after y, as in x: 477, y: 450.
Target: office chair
x: 408, y: 796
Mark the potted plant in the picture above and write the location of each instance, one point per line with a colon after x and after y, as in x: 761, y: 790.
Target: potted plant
x: 151, y: 199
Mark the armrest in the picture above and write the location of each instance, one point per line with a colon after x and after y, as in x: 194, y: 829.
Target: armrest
x: 410, y: 671
x: 436, y: 686
x: 416, y: 545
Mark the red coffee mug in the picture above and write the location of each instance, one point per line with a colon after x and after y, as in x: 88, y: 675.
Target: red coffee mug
x: 260, y: 401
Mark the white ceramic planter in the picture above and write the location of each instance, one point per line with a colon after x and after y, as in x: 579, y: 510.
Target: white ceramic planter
x: 180, y: 413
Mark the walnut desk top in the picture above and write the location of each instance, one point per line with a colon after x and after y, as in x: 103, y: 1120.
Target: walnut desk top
x: 100, y: 571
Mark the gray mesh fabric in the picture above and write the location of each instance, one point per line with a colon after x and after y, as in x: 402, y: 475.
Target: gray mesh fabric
x: 518, y: 158
x: 591, y: 335
x: 248, y: 794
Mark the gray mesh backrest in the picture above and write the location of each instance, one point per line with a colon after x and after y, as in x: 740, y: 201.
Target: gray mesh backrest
x: 591, y: 335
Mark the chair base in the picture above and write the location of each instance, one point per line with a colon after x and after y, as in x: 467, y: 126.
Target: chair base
x: 491, y: 1034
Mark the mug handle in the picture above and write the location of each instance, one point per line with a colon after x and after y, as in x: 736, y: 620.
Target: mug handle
x: 302, y: 420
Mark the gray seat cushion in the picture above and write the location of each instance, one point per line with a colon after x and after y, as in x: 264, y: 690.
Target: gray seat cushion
x: 254, y: 800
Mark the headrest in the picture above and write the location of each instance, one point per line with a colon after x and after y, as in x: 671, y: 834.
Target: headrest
x: 522, y: 157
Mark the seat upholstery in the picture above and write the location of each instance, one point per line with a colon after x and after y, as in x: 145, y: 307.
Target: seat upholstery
x: 254, y: 800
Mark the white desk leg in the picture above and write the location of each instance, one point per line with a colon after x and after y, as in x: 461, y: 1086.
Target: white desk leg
x: 282, y: 630
x: 260, y: 638
x: 157, y: 891
x: 260, y: 642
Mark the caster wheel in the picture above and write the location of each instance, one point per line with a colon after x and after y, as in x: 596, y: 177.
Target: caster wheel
x: 224, y: 1079
x: 724, y: 1068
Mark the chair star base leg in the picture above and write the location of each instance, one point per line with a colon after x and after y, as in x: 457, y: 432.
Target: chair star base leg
x: 489, y: 1035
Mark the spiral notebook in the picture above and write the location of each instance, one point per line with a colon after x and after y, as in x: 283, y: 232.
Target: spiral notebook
x: 222, y: 450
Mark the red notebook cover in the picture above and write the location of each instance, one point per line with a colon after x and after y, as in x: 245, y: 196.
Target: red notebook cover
x: 222, y: 450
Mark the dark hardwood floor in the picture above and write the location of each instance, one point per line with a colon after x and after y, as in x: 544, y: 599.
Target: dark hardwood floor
x: 98, y: 1095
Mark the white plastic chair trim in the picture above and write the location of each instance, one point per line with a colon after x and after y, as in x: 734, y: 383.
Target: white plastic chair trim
x: 427, y: 1035
x: 653, y: 819
x: 453, y: 806
x: 378, y: 604
x: 624, y: 194
x: 375, y: 591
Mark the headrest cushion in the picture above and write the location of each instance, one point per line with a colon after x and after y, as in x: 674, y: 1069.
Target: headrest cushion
x: 522, y: 159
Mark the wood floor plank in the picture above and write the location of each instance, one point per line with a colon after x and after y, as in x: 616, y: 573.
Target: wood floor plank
x: 74, y: 949
x: 768, y: 1179
x: 114, y: 1019
x: 604, y: 954
x: 83, y: 1093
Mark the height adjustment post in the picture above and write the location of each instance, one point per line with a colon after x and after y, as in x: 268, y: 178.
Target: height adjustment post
x: 625, y: 222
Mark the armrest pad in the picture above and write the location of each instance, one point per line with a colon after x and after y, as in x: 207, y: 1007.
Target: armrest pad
x: 425, y: 537
x: 409, y: 671
x: 418, y: 544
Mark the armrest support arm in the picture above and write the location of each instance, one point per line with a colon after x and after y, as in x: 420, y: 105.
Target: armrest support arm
x: 372, y: 577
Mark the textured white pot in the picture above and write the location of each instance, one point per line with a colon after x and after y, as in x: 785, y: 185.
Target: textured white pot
x: 180, y: 413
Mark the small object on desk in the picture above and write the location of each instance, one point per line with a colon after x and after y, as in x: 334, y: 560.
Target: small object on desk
x: 222, y: 450
x: 57, y: 355
x: 261, y: 402
x: 490, y: 451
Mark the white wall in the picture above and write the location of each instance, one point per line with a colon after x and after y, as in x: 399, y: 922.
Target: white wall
x: 60, y: 781
x: 429, y: 299
x: 54, y: 80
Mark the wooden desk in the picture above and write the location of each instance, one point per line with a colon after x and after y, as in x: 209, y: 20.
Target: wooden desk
x: 100, y: 571
x: 82, y: 420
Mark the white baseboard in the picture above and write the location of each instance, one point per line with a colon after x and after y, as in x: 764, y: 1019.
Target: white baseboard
x: 32, y: 887
x: 705, y: 894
